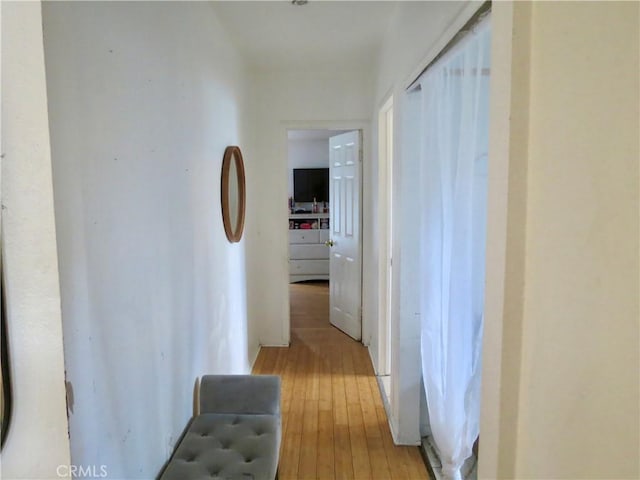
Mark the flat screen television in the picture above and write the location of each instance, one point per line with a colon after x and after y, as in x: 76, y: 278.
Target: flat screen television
x: 310, y: 183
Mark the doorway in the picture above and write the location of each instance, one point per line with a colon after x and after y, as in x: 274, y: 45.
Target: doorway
x: 385, y: 246
x: 324, y: 227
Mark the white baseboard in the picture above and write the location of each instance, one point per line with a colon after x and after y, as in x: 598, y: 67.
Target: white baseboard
x: 397, y: 439
x: 255, y: 357
x: 375, y: 367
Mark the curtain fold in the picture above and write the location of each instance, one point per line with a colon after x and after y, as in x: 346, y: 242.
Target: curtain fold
x: 453, y: 176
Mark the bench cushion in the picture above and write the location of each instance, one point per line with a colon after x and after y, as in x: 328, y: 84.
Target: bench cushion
x: 240, y: 394
x: 227, y: 446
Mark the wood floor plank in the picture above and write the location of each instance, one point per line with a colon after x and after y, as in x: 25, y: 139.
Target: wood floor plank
x: 281, y: 360
x: 359, y: 450
x: 342, y: 440
x: 309, y: 454
x: 271, y: 354
x: 257, y: 365
x: 417, y: 468
x: 396, y: 459
x: 342, y: 452
x: 325, y: 393
x: 293, y: 434
x: 300, y: 381
x: 290, y: 456
x: 373, y: 385
x: 287, y: 378
x: 313, y: 378
x: 350, y: 382
x: 334, y: 424
x: 372, y: 428
x: 368, y: 409
x: 326, y: 458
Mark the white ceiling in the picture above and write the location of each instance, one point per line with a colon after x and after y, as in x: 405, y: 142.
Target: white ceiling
x: 276, y: 35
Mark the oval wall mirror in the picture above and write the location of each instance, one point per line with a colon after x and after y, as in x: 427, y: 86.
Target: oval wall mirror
x: 233, y: 193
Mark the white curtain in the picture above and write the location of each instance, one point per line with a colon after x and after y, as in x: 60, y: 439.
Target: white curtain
x: 455, y: 93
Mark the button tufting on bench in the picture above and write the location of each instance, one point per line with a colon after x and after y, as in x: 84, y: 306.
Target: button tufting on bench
x: 241, y: 450
x: 238, y: 445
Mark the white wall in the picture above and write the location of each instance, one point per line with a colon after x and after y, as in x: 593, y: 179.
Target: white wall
x: 143, y: 100
x: 580, y: 326
x: 418, y: 31
x: 560, y: 384
x: 281, y: 101
x: 306, y: 153
x: 37, y: 443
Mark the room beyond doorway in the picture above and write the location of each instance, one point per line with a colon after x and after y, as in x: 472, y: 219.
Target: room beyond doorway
x: 309, y: 303
x: 309, y: 203
x: 324, y: 228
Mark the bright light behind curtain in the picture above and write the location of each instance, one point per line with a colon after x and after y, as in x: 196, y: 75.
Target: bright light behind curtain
x: 455, y: 116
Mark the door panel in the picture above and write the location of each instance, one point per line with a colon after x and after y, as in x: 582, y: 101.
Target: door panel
x: 336, y: 219
x: 345, y: 259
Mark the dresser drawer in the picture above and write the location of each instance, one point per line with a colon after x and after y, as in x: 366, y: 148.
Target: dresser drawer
x: 309, y: 267
x: 302, y: 251
x: 304, y: 236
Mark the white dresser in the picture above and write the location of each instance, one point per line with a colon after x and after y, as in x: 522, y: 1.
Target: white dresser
x: 308, y: 254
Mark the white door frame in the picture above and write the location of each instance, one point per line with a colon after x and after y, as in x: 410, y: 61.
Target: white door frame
x: 385, y: 235
x: 505, y: 251
x: 363, y: 126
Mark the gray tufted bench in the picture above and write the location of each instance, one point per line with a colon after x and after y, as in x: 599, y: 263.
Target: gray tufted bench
x: 237, y: 433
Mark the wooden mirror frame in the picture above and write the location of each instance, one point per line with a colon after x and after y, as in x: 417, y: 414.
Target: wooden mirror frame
x: 232, y: 154
x: 6, y: 403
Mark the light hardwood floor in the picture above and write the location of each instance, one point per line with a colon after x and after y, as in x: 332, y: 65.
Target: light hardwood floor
x: 334, y: 423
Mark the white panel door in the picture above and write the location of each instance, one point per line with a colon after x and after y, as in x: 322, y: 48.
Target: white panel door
x: 345, y: 272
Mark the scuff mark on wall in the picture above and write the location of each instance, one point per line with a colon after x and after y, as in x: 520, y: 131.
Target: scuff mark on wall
x: 69, y: 389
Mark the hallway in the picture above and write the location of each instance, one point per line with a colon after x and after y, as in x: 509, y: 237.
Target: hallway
x: 334, y: 423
